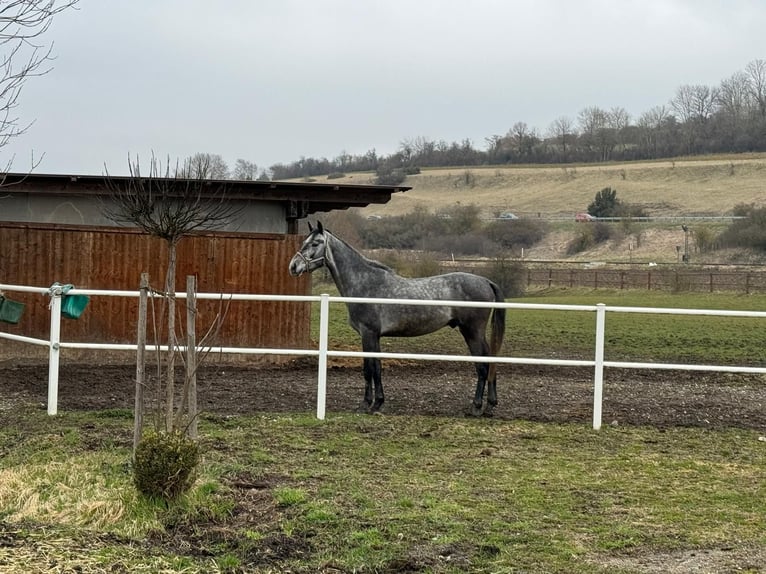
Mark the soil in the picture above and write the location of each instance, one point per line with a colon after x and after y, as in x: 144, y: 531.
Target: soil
x: 534, y: 393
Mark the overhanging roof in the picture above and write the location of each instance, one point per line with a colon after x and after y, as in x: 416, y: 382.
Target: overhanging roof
x: 302, y: 198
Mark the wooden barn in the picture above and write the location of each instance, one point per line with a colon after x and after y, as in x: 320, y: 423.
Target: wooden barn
x: 53, y: 228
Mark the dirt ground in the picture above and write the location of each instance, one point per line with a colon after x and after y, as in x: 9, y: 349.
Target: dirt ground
x: 534, y: 393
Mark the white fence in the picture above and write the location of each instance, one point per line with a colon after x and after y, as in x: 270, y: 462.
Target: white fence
x: 598, y: 363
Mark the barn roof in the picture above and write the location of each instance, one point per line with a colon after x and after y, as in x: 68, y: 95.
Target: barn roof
x: 302, y: 198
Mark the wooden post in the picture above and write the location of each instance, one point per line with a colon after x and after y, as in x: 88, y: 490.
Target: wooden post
x: 138, y: 413
x: 191, y: 352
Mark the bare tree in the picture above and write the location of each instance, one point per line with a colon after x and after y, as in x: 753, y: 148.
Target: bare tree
x: 652, y: 128
x: 204, y: 166
x: 563, y: 131
x: 23, y: 23
x: 245, y: 170
x: 735, y: 107
x: 618, y: 121
x: 694, y: 103
x: 170, y: 207
x: 597, y: 133
x: 695, y: 106
x: 522, y: 139
x: 756, y: 73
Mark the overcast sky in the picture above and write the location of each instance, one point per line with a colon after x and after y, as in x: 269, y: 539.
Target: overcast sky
x: 271, y: 81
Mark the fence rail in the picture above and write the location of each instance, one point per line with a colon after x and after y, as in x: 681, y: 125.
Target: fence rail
x: 323, y: 352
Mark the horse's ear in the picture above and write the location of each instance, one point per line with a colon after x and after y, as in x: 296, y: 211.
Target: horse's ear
x: 319, y: 227
x: 311, y: 228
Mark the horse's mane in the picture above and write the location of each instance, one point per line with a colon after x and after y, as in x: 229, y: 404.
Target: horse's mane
x: 367, y: 260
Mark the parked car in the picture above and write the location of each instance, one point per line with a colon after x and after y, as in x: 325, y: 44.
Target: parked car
x: 508, y: 215
x: 584, y: 217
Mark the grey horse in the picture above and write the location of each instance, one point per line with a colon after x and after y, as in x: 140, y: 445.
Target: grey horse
x: 357, y: 276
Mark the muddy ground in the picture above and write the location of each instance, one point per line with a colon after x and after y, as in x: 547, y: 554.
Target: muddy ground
x: 561, y: 394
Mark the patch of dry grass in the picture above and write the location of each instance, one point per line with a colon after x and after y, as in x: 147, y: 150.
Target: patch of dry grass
x: 669, y: 187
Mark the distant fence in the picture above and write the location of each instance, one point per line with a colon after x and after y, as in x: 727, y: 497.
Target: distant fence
x: 654, y: 278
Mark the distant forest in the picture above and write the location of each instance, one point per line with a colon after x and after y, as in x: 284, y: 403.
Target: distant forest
x: 698, y: 119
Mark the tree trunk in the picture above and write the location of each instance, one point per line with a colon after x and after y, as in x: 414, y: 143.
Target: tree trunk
x: 190, y: 386
x: 170, y: 293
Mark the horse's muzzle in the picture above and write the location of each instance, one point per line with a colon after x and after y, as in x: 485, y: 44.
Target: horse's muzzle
x: 301, y: 264
x: 297, y: 266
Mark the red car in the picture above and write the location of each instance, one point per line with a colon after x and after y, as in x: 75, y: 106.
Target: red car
x: 584, y: 217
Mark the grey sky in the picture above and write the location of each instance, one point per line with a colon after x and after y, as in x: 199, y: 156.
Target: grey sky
x: 273, y: 80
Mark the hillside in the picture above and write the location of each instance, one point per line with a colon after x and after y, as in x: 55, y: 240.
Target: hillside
x: 672, y: 187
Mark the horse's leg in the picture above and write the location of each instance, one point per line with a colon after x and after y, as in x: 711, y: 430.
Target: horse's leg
x: 372, y: 372
x: 491, y: 395
x: 368, y: 368
x: 478, y: 346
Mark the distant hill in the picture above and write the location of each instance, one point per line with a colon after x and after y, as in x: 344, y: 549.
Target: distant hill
x: 694, y: 186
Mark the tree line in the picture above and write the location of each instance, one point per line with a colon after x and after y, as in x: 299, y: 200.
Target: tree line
x: 698, y: 119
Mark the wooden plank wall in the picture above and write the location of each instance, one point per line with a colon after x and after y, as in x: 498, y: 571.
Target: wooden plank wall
x: 100, y: 258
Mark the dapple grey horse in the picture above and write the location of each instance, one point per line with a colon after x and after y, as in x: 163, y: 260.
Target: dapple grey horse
x: 357, y: 276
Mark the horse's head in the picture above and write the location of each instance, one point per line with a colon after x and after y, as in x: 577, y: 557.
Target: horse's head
x: 311, y: 255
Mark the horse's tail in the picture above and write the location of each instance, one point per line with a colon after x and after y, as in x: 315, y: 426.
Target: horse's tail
x: 498, y: 331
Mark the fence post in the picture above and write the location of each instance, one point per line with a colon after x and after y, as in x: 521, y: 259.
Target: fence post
x: 54, y: 351
x: 598, y: 375
x: 138, y: 406
x: 324, y: 327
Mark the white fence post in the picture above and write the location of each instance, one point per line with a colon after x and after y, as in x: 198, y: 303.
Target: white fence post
x: 598, y: 375
x: 324, y: 329
x: 54, y: 351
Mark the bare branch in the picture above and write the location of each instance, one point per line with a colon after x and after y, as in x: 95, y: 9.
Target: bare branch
x: 166, y: 205
x: 22, y: 23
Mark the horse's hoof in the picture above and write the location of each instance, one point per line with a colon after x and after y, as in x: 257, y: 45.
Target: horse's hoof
x: 489, y: 411
x: 364, y: 407
x: 476, y: 411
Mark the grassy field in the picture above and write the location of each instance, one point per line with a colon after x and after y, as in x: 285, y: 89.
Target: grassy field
x: 383, y: 494
x: 571, y: 334
x: 683, y: 186
x: 358, y: 493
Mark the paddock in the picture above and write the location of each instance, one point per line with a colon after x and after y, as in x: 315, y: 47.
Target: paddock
x: 528, y: 392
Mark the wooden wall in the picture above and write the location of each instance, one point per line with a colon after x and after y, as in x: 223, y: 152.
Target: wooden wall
x: 106, y: 258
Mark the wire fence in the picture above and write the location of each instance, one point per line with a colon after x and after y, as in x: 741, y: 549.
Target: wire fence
x: 654, y: 278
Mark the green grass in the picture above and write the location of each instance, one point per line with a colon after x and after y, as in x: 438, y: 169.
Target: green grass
x: 384, y: 494
x: 629, y: 336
